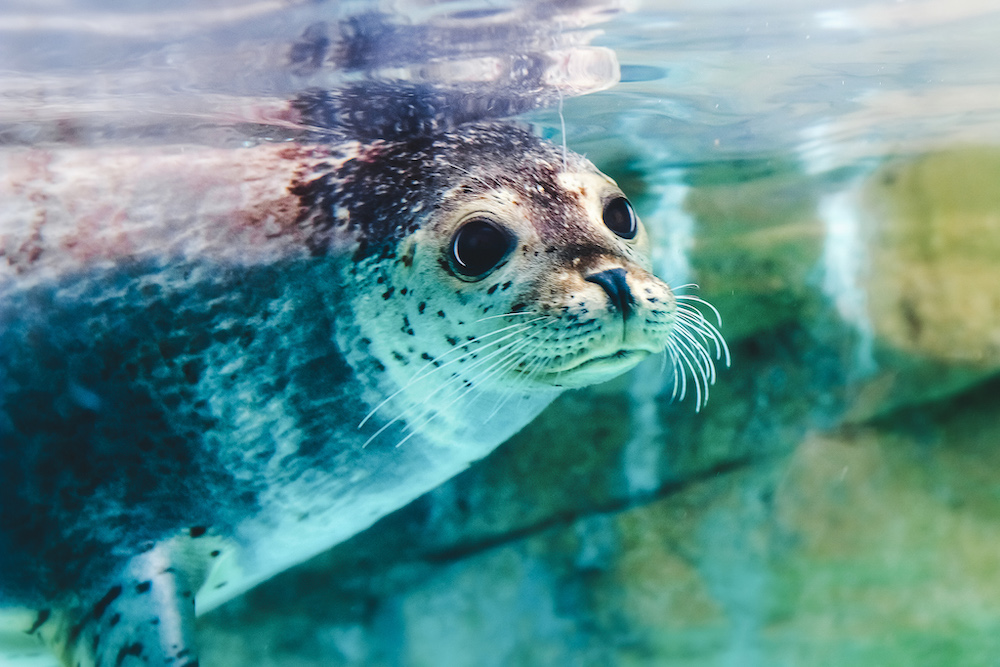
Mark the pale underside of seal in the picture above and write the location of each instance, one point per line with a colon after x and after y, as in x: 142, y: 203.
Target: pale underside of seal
x: 216, y: 363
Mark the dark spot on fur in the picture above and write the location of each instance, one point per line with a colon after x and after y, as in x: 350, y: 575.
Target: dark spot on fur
x: 192, y: 371
x: 113, y: 621
x: 400, y: 358
x: 404, y: 291
x: 388, y: 293
x: 134, y: 650
x: 154, y: 621
x: 43, y: 616
x: 197, y: 531
x: 170, y: 347
x: 518, y: 307
x: 493, y: 288
x: 506, y: 285
x: 452, y: 341
x: 380, y: 280
x: 143, y: 587
x: 440, y: 313
x: 104, y: 602
x: 215, y: 553
x: 420, y: 307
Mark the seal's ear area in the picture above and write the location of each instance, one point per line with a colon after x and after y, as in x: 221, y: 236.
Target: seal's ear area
x: 144, y: 617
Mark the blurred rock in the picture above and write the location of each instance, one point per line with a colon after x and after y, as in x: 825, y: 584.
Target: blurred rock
x: 757, y: 240
x: 934, y: 285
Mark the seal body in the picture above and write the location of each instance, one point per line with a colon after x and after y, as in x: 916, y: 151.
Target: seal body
x: 216, y: 363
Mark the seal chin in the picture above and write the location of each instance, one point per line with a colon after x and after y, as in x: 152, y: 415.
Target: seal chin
x: 593, y: 370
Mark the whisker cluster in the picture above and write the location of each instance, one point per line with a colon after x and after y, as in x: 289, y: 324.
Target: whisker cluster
x: 494, y: 353
x: 695, y: 344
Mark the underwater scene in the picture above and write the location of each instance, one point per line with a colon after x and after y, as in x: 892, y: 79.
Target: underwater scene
x: 794, y: 460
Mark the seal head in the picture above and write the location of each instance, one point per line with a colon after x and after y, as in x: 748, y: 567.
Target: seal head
x: 527, y: 271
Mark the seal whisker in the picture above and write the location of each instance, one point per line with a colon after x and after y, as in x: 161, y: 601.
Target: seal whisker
x: 688, y: 339
x: 512, y: 360
x: 444, y: 385
x: 686, y: 361
x: 703, y: 372
x: 698, y: 351
x: 694, y: 316
x: 430, y: 369
x: 526, y: 377
x: 696, y: 299
x: 695, y: 321
x: 680, y: 377
x: 456, y: 382
x: 518, y: 328
x: 460, y: 387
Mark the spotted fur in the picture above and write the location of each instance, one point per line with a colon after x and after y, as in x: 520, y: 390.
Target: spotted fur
x: 235, y: 372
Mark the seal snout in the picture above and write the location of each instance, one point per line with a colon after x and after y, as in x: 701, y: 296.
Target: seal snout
x: 615, y: 284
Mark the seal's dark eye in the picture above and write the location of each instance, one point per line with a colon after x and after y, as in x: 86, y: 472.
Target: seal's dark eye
x: 620, y: 218
x: 478, y: 246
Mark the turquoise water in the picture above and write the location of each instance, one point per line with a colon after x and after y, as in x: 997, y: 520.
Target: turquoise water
x: 824, y: 172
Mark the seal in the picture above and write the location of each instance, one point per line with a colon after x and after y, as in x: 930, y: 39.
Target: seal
x: 216, y: 363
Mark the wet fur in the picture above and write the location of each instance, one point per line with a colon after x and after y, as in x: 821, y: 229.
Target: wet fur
x: 168, y: 407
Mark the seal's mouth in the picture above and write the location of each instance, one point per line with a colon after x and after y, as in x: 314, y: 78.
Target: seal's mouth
x: 594, y: 369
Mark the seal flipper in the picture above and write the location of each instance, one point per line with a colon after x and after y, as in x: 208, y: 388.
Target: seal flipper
x: 145, y: 617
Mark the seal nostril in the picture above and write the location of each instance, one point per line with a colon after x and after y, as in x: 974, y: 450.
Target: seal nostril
x: 615, y: 284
